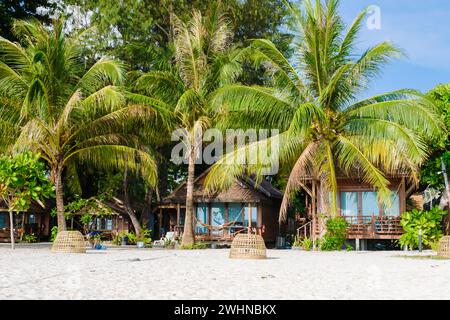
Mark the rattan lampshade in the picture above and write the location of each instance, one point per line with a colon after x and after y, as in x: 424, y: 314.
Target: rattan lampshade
x: 248, y: 246
x: 444, y: 247
x: 69, y: 242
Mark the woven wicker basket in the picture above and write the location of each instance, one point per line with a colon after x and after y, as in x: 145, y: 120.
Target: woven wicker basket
x: 248, y: 246
x: 69, y: 242
x: 444, y: 247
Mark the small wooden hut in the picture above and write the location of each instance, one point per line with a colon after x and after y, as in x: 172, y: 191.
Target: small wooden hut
x: 220, y: 216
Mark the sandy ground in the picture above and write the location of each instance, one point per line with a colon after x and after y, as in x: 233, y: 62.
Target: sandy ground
x: 208, y: 274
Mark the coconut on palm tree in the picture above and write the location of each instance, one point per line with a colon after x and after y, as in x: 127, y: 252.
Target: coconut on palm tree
x: 52, y: 105
x: 312, y: 99
x: 204, y: 60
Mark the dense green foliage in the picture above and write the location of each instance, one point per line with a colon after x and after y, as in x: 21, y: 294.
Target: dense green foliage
x: 140, y: 32
x: 98, y: 102
x: 429, y: 222
x: 68, y: 113
x: 335, y: 236
x: 431, y: 171
x: 23, y: 179
x: 15, y: 9
x: 313, y: 102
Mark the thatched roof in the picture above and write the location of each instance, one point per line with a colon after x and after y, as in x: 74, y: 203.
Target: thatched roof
x: 243, y: 190
x: 35, y: 207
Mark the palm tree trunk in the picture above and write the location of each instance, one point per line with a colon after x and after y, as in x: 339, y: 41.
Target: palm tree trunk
x: 134, y: 220
x: 11, y: 229
x: 60, y: 201
x: 188, y: 233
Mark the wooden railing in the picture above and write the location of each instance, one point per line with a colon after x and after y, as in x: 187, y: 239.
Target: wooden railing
x: 373, y: 226
x: 305, y: 231
x: 226, y: 234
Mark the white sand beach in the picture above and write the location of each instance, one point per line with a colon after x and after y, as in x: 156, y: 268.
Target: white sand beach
x: 208, y: 274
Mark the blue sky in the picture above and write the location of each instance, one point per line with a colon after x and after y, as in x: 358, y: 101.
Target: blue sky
x: 421, y: 29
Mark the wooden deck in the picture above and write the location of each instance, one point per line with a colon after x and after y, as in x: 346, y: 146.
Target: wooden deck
x: 362, y: 227
x: 226, y: 235
x: 374, y: 227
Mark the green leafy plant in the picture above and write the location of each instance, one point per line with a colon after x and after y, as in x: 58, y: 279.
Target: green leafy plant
x: 145, y: 236
x: 30, y: 238
x: 307, y: 244
x: 196, y: 246
x: 334, y: 238
x: 85, y: 219
x: 53, y: 233
x: 297, y: 242
x: 429, y: 222
x: 23, y: 179
x: 132, y: 239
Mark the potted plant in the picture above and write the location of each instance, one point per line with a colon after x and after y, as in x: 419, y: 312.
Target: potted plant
x: 140, y: 241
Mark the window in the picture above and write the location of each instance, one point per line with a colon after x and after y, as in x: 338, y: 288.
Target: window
x: 365, y: 204
x: 217, y: 217
x: 182, y: 216
x: 394, y: 209
x: 370, y: 204
x: 202, y: 215
x: 254, y: 215
x: 235, y: 213
x: 3, y: 220
x: 31, y: 219
x: 349, y: 204
x: 109, y: 224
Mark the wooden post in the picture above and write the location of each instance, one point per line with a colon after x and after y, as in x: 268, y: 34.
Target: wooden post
x: 178, y: 215
x: 249, y: 218
x: 160, y: 220
x: 447, y: 189
x: 11, y: 229
x: 226, y: 231
x: 313, y: 202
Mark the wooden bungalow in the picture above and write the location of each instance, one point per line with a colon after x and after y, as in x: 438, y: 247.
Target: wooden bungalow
x: 35, y: 221
x: 220, y: 216
x: 109, y: 225
x: 369, y: 221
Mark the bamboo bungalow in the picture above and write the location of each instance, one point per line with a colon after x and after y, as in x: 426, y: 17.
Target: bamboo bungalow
x: 109, y: 218
x: 35, y: 221
x: 220, y: 216
x: 370, y: 222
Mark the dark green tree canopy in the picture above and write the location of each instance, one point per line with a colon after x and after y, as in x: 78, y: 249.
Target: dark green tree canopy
x: 137, y: 32
x: 15, y: 9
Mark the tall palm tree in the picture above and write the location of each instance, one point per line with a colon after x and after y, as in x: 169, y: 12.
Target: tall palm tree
x: 312, y: 100
x: 204, y: 60
x: 52, y: 105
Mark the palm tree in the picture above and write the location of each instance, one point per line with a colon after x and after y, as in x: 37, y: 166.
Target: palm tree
x: 204, y: 60
x: 312, y: 100
x: 53, y: 106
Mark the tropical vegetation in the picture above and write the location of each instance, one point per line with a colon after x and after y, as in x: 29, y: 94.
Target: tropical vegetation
x: 23, y: 180
x: 91, y: 109
x: 428, y: 223
x: 55, y: 106
x: 313, y: 100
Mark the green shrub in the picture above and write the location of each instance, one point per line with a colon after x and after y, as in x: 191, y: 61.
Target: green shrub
x: 196, y: 246
x: 430, y: 222
x: 30, y: 238
x: 297, y: 242
x: 334, y: 238
x: 306, y: 244
x: 53, y: 233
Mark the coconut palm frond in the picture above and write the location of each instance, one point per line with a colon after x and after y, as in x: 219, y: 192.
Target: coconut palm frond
x: 105, y: 72
x: 296, y: 178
